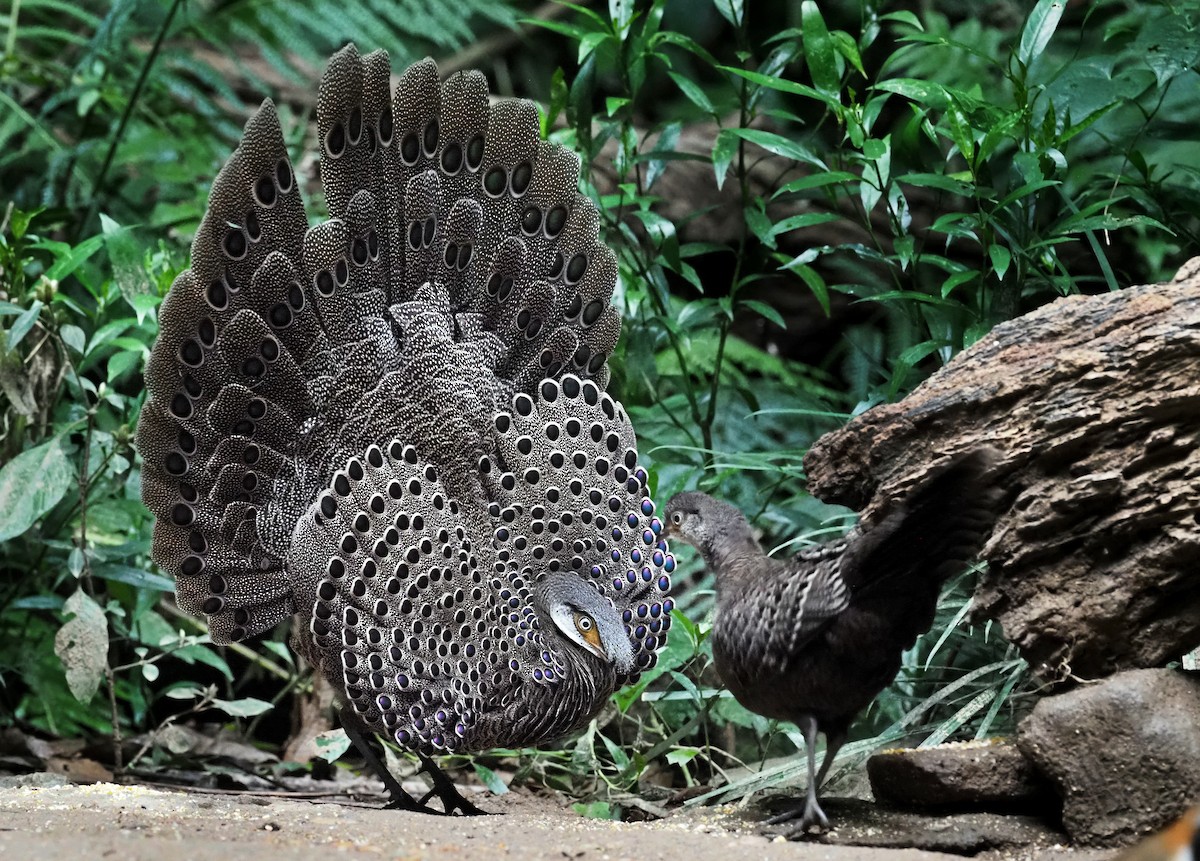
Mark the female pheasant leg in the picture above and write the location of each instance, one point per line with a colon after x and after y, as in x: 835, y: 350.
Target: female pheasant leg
x: 811, y: 814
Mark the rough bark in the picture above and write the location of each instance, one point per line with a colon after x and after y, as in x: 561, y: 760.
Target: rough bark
x: 1094, y: 403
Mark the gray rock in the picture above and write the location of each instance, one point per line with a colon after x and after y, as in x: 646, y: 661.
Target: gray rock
x: 36, y: 780
x: 1123, y: 753
x: 987, y: 774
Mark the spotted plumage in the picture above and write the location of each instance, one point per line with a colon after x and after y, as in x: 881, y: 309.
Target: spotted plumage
x: 394, y: 425
x: 815, y: 638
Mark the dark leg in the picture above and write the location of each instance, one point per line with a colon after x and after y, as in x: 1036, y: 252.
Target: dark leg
x: 834, y: 739
x: 811, y: 814
x: 400, y: 800
x: 443, y: 786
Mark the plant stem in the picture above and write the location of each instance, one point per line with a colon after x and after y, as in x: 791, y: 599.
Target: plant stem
x: 127, y: 114
x: 10, y: 44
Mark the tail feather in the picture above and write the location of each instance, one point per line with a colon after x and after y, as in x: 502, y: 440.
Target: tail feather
x: 459, y: 268
x: 902, y: 561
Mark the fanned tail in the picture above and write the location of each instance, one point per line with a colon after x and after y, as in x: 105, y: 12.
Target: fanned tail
x: 460, y: 268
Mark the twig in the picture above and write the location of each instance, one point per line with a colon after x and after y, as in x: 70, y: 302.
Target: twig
x: 119, y: 134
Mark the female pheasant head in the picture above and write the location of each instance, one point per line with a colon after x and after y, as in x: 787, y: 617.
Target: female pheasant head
x: 713, y: 527
x: 587, y: 620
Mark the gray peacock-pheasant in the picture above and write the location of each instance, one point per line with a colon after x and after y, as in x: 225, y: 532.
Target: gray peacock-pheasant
x: 393, y: 426
x: 815, y: 638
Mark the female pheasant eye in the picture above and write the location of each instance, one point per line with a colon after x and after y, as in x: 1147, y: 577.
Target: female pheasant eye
x: 677, y: 518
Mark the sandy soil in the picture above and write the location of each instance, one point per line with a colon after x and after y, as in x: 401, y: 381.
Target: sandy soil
x: 132, y: 823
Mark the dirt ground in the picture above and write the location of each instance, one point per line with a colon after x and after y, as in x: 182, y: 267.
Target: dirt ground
x: 138, y: 823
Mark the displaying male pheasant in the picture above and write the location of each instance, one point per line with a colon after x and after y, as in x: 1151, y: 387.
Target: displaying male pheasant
x: 815, y: 638
x: 393, y: 426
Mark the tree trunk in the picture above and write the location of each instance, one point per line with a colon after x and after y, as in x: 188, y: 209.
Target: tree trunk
x: 1094, y: 403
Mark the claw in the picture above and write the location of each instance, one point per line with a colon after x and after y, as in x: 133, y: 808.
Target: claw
x: 443, y: 787
x: 809, y: 815
x: 446, y: 792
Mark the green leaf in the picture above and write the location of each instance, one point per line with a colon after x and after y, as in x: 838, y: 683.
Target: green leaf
x: 848, y: 48
x: 31, y: 484
x: 202, y: 653
x: 731, y: 10
x: 694, y: 92
x: 125, y: 255
x: 765, y: 310
x: 723, y: 152
x: 331, y: 744
x: 910, y: 296
x: 599, y: 809
x: 804, y: 219
x: 1039, y: 27
x: 489, y: 779
x: 245, y: 707
x: 784, y: 86
x: 75, y: 562
x: 1168, y: 44
x: 122, y: 363
x: 681, y: 755
x: 82, y: 645
x: 937, y: 180
x: 957, y: 280
x: 918, y: 352
x: 73, y: 337
x: 778, y: 144
x: 136, y: 577
x: 589, y: 44
x: 759, y: 224
x: 922, y: 92
x: 613, y: 104
x: 817, y: 180
x: 670, y: 37
x: 819, y: 52
x: 184, y: 691
x: 69, y: 258
x: 22, y: 325
x: 1001, y: 258
x: 813, y: 279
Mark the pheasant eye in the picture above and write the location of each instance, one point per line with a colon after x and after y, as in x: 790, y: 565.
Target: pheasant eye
x: 677, y: 518
x: 586, y: 626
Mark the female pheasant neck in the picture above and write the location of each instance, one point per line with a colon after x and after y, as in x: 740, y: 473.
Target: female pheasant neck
x: 729, y: 548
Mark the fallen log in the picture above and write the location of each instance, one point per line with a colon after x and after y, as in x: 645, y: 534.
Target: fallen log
x: 1094, y: 403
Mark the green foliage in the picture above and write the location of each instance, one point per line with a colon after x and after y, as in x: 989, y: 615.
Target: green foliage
x: 80, y: 606
x: 951, y: 175
x: 130, y: 107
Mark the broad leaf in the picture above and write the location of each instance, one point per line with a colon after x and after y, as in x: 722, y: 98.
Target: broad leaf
x: 31, y: 484
x: 82, y: 645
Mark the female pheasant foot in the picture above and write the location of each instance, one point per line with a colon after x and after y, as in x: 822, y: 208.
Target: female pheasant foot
x: 811, y: 814
x: 443, y: 787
